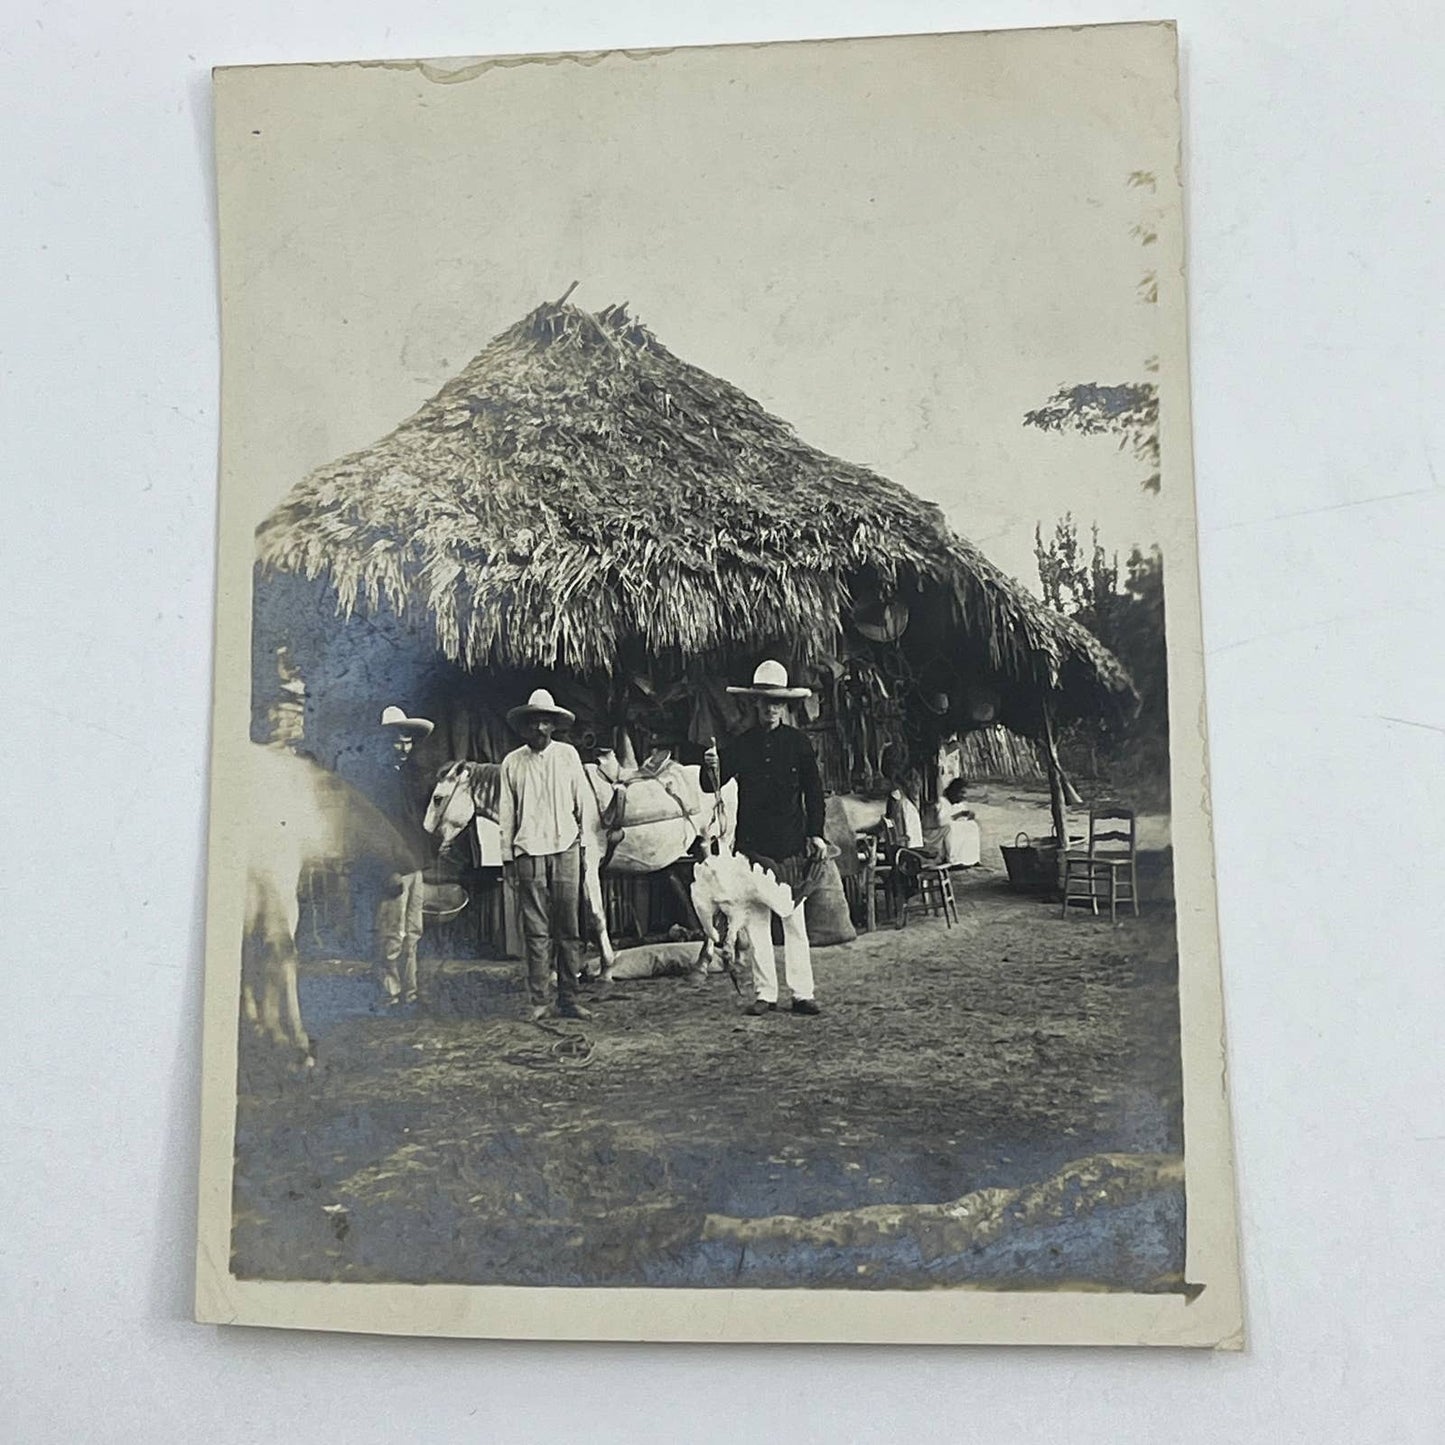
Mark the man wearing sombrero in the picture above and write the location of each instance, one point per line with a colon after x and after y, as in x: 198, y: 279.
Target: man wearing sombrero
x: 540, y: 820
x: 401, y: 790
x: 780, y: 823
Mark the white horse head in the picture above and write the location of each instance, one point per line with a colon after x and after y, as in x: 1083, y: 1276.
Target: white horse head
x: 462, y: 790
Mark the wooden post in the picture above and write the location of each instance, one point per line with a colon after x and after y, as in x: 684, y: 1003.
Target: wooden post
x: 1056, y: 787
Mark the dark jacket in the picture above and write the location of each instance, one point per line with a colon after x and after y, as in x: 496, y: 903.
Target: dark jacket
x: 402, y: 794
x: 780, y: 791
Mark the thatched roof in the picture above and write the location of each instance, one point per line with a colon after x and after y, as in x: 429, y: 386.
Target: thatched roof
x: 578, y: 487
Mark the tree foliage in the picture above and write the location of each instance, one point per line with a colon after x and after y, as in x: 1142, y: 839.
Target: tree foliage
x: 1128, y: 410
x: 1126, y: 613
x: 1076, y: 586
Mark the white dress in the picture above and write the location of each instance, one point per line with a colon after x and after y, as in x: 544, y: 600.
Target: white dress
x: 962, y: 842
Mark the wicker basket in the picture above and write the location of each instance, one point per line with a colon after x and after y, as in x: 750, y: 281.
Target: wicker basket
x: 1033, y: 865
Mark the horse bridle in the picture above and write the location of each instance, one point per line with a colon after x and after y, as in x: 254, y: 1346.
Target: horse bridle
x: 464, y: 775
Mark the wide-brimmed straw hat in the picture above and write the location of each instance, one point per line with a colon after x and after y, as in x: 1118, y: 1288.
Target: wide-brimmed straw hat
x: 541, y: 704
x: 394, y: 717
x: 771, y: 681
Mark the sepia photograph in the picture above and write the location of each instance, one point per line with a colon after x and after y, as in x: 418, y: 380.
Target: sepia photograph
x: 710, y: 830
x: 720, y: 723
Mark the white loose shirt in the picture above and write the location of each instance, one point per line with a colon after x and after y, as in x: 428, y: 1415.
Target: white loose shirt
x: 912, y: 822
x: 541, y: 805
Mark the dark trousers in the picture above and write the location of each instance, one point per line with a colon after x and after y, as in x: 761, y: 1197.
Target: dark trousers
x: 549, y: 886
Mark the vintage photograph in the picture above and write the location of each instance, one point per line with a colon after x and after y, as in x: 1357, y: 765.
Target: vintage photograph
x: 710, y: 823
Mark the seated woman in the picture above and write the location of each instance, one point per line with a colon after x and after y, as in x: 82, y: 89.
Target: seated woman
x: 919, y: 827
x: 958, y: 839
x: 903, y: 814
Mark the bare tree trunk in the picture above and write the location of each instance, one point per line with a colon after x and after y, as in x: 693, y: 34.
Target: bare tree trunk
x: 1056, y: 788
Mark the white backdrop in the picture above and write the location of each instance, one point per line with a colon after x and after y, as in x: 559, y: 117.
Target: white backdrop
x: 1313, y: 151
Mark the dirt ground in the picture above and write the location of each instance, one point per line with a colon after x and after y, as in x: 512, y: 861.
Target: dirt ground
x: 1023, y: 1064
x: 1004, y: 810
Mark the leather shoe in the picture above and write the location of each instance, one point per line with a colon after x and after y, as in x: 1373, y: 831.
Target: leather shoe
x: 805, y: 1006
x: 758, y: 1007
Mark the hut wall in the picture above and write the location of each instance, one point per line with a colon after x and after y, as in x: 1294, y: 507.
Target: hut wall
x: 832, y: 763
x: 997, y: 755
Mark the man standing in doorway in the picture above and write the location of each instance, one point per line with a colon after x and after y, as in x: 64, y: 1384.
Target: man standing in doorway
x: 780, y: 824
x: 540, y: 820
x: 401, y: 790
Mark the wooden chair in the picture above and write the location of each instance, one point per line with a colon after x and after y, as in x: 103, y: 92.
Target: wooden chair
x: 882, y: 882
x: 923, y: 884
x: 860, y: 887
x: 1108, y: 867
x: 937, y: 884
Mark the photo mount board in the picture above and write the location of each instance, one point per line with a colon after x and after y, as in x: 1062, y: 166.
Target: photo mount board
x: 283, y: 136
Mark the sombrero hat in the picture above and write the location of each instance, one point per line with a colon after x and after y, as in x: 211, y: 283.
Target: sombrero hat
x: 771, y: 681
x: 394, y: 717
x: 541, y: 702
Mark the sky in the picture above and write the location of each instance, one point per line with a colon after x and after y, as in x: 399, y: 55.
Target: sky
x: 899, y: 247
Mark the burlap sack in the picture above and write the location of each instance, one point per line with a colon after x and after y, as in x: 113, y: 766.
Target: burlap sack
x: 826, y: 911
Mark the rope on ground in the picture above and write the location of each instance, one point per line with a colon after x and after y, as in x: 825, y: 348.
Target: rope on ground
x: 568, y: 1051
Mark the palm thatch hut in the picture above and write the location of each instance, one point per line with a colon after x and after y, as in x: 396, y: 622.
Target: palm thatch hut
x: 581, y: 508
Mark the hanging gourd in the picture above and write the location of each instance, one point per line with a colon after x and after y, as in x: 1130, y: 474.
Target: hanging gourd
x: 880, y: 619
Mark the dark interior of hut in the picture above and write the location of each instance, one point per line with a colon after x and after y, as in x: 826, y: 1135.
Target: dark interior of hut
x: 899, y: 678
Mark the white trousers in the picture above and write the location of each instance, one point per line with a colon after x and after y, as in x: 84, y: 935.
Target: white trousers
x: 797, y: 957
